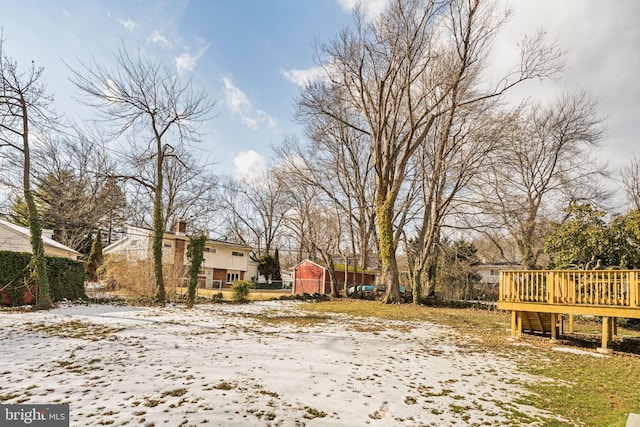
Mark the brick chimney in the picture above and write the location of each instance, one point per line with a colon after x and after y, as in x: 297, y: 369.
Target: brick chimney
x: 180, y: 227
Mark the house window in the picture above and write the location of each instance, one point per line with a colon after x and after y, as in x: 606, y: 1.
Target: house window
x: 495, y: 272
x: 167, y: 244
x: 234, y: 253
x: 232, y: 277
x: 210, y: 250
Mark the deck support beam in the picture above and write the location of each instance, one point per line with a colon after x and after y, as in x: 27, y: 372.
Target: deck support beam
x: 571, y: 322
x: 516, y: 324
x: 607, y: 333
x: 554, y: 326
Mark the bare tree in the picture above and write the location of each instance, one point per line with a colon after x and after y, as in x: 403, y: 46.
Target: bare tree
x: 151, y: 105
x: 631, y: 182
x: 453, y: 157
x: 544, y: 165
x: 338, y: 163
x: 254, y: 209
x: 25, y: 111
x: 419, y: 60
x: 189, y: 190
x: 301, y: 200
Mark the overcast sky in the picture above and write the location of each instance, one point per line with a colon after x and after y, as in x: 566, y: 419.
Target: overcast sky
x: 252, y: 55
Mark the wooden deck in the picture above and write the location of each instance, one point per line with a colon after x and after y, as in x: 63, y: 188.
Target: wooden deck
x: 538, y: 298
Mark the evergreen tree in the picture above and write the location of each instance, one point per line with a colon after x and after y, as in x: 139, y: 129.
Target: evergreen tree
x: 269, y: 267
x: 95, y: 258
x: 278, y: 274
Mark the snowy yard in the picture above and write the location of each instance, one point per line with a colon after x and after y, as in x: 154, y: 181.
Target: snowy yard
x: 267, y: 363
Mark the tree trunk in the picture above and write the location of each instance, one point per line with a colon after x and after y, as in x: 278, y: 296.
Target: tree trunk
x: 158, y: 230
x: 417, y: 286
x: 389, y: 274
x: 38, y: 264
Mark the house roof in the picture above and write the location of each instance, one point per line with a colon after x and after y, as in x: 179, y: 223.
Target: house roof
x: 46, y: 240
x: 338, y: 267
x: 178, y: 236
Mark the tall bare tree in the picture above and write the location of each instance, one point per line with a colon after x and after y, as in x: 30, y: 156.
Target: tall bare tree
x: 454, y: 156
x: 254, y: 209
x: 419, y: 60
x: 157, y: 109
x: 544, y: 165
x: 25, y: 111
x: 338, y: 163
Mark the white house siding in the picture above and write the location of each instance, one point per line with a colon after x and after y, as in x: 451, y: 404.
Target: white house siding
x: 222, y: 258
x: 16, y: 238
x: 11, y: 241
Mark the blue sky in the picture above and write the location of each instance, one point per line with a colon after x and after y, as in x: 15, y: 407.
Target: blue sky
x: 250, y: 56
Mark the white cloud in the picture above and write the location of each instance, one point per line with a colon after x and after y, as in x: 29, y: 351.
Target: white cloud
x: 601, y: 45
x: 249, y: 164
x: 303, y: 77
x: 187, y: 61
x: 128, y: 24
x: 239, y: 104
x: 371, y: 7
x: 158, y: 38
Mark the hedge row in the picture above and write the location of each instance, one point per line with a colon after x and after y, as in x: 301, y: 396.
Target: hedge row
x: 66, y: 276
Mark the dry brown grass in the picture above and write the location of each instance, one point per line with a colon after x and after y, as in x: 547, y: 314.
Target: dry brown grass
x: 135, y: 278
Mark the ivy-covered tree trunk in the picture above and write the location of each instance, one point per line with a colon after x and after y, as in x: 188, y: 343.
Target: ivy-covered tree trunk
x: 195, y: 254
x: 389, y: 276
x: 38, y: 264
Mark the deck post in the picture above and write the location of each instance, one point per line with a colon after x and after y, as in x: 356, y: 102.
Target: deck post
x: 571, y: 322
x: 554, y: 326
x: 606, y: 335
x: 519, y: 327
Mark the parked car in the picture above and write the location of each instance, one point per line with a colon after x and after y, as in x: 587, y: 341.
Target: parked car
x: 372, y: 291
x: 365, y: 290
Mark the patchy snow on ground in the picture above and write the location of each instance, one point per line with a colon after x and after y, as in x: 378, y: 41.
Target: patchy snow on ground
x: 266, y: 363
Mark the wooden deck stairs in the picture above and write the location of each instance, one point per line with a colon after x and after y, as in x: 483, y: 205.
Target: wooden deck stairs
x: 535, y: 322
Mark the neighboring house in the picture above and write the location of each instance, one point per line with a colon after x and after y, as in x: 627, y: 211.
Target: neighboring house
x: 490, y: 271
x: 311, y: 278
x: 490, y: 277
x: 16, y: 238
x: 223, y: 262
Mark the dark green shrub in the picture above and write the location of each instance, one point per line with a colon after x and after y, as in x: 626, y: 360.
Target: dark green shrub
x: 66, y: 276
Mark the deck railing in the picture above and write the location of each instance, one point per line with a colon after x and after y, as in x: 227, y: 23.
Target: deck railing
x: 617, y: 288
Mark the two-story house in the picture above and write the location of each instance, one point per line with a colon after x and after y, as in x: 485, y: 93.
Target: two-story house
x: 223, y: 262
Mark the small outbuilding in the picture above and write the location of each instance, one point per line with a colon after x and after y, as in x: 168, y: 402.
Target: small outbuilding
x: 311, y: 278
